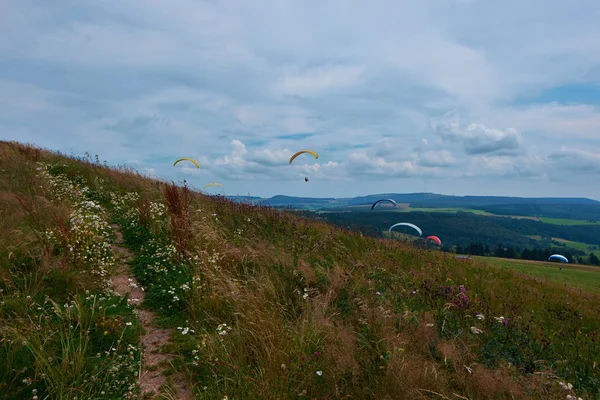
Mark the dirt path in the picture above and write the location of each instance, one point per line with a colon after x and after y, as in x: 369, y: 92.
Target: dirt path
x: 155, y: 362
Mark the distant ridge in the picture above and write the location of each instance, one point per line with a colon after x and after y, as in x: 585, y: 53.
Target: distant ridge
x: 424, y: 200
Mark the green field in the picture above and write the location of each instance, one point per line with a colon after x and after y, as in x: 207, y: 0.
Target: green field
x: 586, y: 248
x: 582, y: 277
x: 578, y: 245
x: 546, y: 220
x: 405, y: 207
x: 563, y: 221
x: 447, y: 210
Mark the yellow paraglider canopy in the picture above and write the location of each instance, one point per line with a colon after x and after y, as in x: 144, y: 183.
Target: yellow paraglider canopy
x: 188, y: 159
x: 212, y: 184
x: 304, y: 151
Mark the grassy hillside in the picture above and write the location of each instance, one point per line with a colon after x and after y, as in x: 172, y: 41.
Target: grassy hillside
x: 576, y: 276
x: 259, y: 303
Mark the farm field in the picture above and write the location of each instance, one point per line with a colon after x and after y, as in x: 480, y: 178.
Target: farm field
x: 578, y: 276
x: 564, y: 221
x: 585, y: 247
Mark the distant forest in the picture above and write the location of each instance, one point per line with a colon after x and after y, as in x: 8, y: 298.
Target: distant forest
x: 466, y: 232
x: 478, y: 249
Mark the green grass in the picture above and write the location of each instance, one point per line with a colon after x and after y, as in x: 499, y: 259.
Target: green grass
x: 268, y: 305
x: 63, y: 333
x: 585, y: 278
x: 563, y: 221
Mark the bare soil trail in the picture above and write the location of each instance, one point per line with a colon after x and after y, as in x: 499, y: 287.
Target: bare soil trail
x: 155, y: 362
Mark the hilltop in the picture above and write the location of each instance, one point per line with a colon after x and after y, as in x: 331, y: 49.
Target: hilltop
x: 246, y: 301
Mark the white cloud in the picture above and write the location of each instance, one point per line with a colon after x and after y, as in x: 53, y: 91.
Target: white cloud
x: 478, y: 138
x: 320, y: 80
x: 360, y: 163
x: 442, y: 158
x: 241, y: 84
x: 576, y: 161
x: 270, y: 157
x: 557, y: 121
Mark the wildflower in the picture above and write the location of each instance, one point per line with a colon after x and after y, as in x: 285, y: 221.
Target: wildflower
x: 184, y: 331
x: 479, y: 316
x: 283, y: 366
x: 566, y: 386
x: 223, y: 329
x: 129, y: 324
x: 499, y: 319
x: 429, y: 325
x: 469, y: 370
x: 476, y: 330
x: 319, y: 373
x: 378, y: 293
x: 316, y: 354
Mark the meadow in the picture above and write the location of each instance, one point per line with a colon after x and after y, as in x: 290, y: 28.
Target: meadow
x: 566, y: 221
x: 261, y: 303
x: 575, y: 276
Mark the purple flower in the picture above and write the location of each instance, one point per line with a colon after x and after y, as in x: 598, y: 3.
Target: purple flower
x: 316, y: 354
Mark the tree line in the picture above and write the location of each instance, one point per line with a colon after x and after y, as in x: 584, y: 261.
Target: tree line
x: 479, y: 249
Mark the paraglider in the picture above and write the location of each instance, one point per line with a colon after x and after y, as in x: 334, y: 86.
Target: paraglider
x: 379, y: 201
x: 212, y: 184
x: 302, y: 152
x: 558, y: 257
x: 187, y: 159
x: 433, y: 238
x: 407, y: 224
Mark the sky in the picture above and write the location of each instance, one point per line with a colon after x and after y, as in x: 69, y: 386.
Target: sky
x: 462, y: 97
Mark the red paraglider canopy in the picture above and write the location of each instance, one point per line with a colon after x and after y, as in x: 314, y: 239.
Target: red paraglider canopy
x: 435, y: 239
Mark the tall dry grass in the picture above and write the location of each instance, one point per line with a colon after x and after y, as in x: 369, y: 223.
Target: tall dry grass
x: 270, y: 305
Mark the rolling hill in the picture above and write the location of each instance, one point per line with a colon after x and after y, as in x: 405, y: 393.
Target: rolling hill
x: 113, y: 284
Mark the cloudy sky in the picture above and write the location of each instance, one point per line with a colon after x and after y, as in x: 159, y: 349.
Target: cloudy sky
x: 458, y: 96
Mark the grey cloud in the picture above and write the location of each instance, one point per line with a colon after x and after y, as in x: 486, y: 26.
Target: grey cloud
x: 146, y: 80
x: 577, y: 161
x: 441, y: 158
x: 478, y: 139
